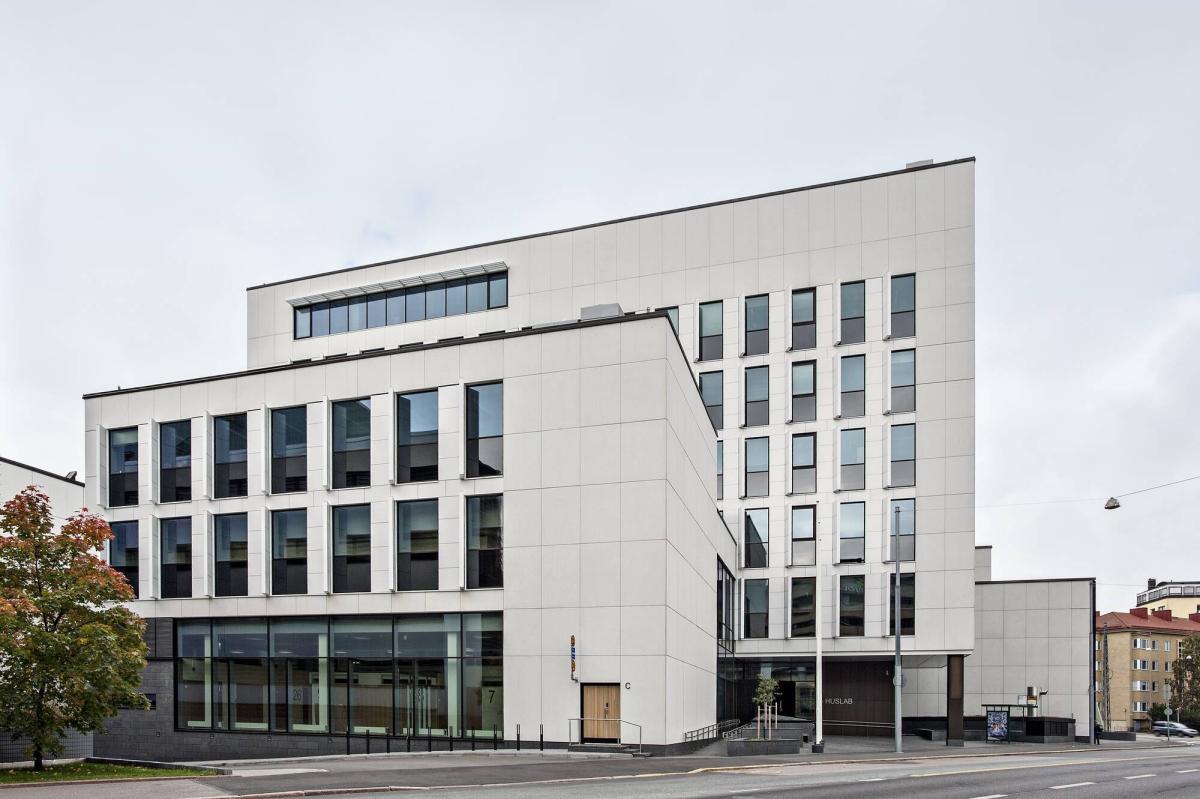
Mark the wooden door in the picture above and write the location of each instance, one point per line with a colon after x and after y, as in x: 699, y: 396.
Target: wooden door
x: 601, y: 702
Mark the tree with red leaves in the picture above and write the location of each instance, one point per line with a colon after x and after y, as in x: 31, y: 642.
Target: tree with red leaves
x: 70, y: 654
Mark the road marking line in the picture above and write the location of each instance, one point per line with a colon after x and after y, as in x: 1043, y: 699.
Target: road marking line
x: 1071, y: 785
x: 873, y: 779
x: 1140, y: 776
x: 992, y: 796
x: 1188, y: 771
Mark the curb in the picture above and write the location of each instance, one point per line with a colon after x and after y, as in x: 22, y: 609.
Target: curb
x: 61, y: 783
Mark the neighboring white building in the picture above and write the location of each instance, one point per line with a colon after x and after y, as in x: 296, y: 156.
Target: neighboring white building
x: 65, y: 492
x: 831, y: 332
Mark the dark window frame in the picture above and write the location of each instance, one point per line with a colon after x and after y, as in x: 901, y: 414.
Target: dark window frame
x: 350, y: 466
x: 908, y: 604
x: 756, y: 412
x: 852, y: 329
x: 853, y: 401
x: 352, y: 568
x: 417, y: 460
x: 804, y: 405
x: 129, y: 557
x: 421, y: 578
x: 756, y: 542
x: 902, y: 472
x: 756, y: 623
x: 712, y: 346
x: 907, y: 542
x: 122, y: 487
x: 231, y: 473
x: 903, y: 321
x: 485, y: 565
x: 484, y: 453
x: 716, y: 411
x: 804, y: 331
x: 808, y: 542
x: 176, y: 575
x: 283, y: 466
x: 174, y: 482
x: 903, y: 395
x: 852, y: 473
x: 804, y: 614
x: 804, y: 476
x: 285, y: 569
x: 852, y: 618
x: 231, y: 576
x: 756, y: 340
x: 852, y: 548
x: 747, y: 473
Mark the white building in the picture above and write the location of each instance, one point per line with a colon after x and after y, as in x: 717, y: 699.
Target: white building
x: 830, y: 330
x: 64, y: 491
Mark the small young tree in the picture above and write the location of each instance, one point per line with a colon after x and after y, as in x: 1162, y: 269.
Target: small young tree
x: 70, y: 657
x: 1158, y: 711
x: 1185, y: 679
x: 764, y: 694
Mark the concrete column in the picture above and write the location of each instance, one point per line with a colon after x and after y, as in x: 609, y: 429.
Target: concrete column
x: 954, y: 700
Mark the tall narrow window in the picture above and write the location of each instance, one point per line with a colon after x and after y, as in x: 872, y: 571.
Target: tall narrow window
x: 757, y: 325
x: 123, y: 467
x: 804, y: 319
x: 852, y: 531
x: 485, y: 430
x: 358, y: 313
x: 804, y: 463
x: 289, y: 551
x: 302, y: 322
x: 905, y: 523
x: 417, y: 545
x: 289, y: 450
x: 377, y: 310
x: 804, y: 535
x: 485, y: 541
x: 352, y: 443
x: 339, y: 316
x: 229, y: 456
x: 904, y: 454
x: 320, y: 319
x: 804, y: 391
x: 435, y: 301
x: 712, y: 325
x: 351, y: 549
x: 175, y: 461
x: 804, y: 607
x: 175, y: 550
x: 712, y: 391
x: 908, y: 604
x: 757, y: 467
x: 417, y: 437
x: 414, y: 304
x: 854, y: 385
x: 395, y: 307
x: 853, y: 459
x: 123, y: 552
x: 754, y: 625
x: 852, y: 605
x: 231, y: 559
x: 904, y: 306
x: 498, y: 290
x: 754, y: 543
x: 904, y: 381
x: 720, y: 470
x: 477, y: 294
x: 854, y: 329
x: 757, y: 393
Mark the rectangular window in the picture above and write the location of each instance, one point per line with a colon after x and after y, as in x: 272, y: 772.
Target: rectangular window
x: 302, y: 322
x: 852, y: 531
x: 289, y: 450
x: 712, y: 326
x: 417, y: 545
x: 712, y: 391
x: 853, y: 307
x: 908, y: 604
x: 804, y: 463
x: 229, y: 456
x: 754, y: 541
x: 904, y: 454
x: 123, y: 551
x: 498, y: 290
x: 804, y: 319
x: 902, y: 517
x: 804, y: 535
x: 804, y: 605
x: 757, y: 325
x: 351, y: 549
x: 853, y: 459
x: 477, y: 294
x: 175, y: 461
x: 377, y: 310
x: 804, y: 391
x: 904, y: 381
x: 289, y: 551
x: 339, y: 316
x: 485, y: 430
x: 352, y: 443
x: 123, y: 467
x: 435, y: 301
x: 320, y: 319
x: 485, y: 540
x: 417, y: 437
x: 720, y: 470
x: 851, y: 605
x: 414, y: 304
x: 754, y: 625
x: 395, y: 307
x: 904, y: 306
x: 757, y: 408
x: 358, y: 313
x: 230, y: 558
x: 854, y: 385
x: 757, y: 467
x: 175, y: 565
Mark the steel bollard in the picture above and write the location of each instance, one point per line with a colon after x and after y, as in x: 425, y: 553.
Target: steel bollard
x: 451, y: 739
x: 518, y: 737
x: 541, y: 739
x: 495, y: 740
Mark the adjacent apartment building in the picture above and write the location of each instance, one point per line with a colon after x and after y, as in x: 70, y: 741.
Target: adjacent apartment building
x: 1181, y: 597
x: 1135, y: 657
x: 592, y: 482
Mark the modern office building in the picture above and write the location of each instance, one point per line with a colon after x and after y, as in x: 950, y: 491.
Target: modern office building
x: 467, y: 491
x: 1135, y: 656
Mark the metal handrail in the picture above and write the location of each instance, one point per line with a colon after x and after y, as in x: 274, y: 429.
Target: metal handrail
x: 711, y: 731
x: 581, y: 719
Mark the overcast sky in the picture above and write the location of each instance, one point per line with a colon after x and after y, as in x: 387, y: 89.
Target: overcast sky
x: 157, y: 158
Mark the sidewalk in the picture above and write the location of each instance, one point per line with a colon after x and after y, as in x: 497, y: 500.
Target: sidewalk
x: 424, y: 770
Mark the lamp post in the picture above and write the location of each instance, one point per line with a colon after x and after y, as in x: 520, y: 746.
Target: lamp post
x: 897, y: 677
x: 818, y: 744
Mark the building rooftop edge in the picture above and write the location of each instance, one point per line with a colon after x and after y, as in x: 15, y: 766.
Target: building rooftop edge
x: 633, y: 218
x: 416, y: 347
x: 39, y: 470
x: 1036, y: 580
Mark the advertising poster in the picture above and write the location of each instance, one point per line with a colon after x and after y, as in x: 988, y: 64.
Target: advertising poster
x: 997, y: 725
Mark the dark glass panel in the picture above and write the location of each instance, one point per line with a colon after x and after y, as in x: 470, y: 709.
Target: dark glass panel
x: 435, y: 301
x: 352, y: 549
x: 754, y: 625
x: 498, y: 290
x: 712, y: 392
x: 456, y: 297
x: 377, y: 310
x: 123, y: 551
x: 320, y: 319
x: 804, y: 617
x: 229, y: 456
x: 852, y: 531
x: 485, y: 533
x: 851, y: 605
x: 352, y: 443
x: 339, y: 316
x: 414, y: 304
x: 289, y: 551
x: 289, y: 450
x: 395, y: 307
x: 485, y: 430
x: 175, y: 549
x: 302, y: 327
x: 417, y: 436
x: 477, y: 294
x: 175, y: 461
x: 358, y: 313
x: 231, y: 561
x: 755, y: 541
x: 123, y: 467
x: 417, y: 545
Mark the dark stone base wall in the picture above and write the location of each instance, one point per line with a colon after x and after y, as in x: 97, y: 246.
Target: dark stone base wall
x: 74, y: 745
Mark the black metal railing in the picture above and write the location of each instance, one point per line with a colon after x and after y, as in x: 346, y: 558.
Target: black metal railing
x: 711, y: 731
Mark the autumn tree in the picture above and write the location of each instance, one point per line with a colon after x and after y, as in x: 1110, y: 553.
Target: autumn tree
x: 70, y: 655
x: 1185, y: 680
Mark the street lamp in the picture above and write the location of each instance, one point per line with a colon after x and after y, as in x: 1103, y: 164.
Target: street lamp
x: 897, y: 678
x: 1112, y: 504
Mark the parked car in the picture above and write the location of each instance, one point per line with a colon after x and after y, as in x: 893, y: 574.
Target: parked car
x: 1177, y: 729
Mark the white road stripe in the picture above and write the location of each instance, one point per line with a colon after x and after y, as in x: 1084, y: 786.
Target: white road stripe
x: 1072, y: 785
x: 873, y: 779
x: 1140, y: 776
x: 992, y: 796
x: 1188, y: 771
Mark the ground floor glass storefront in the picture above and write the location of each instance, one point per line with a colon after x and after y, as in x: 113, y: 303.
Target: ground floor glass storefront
x: 440, y: 675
